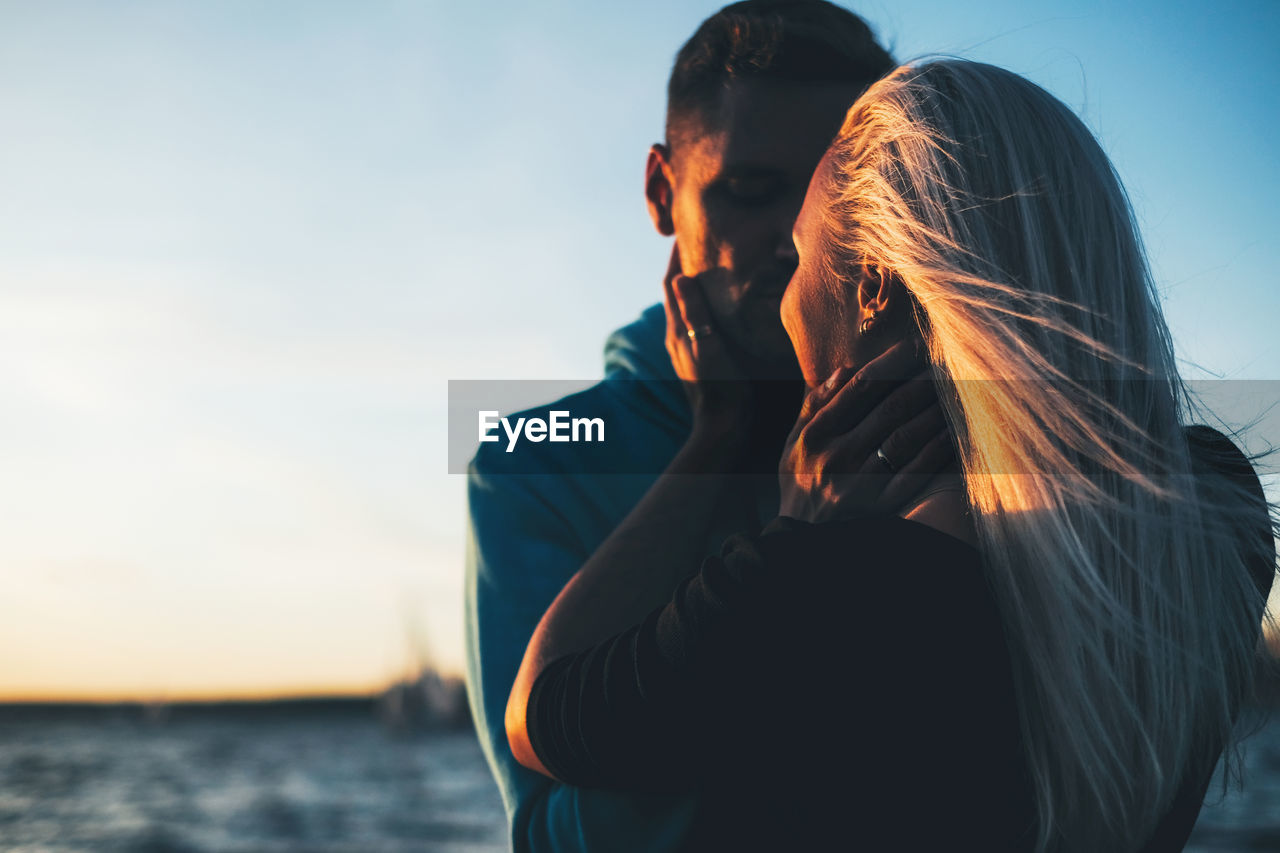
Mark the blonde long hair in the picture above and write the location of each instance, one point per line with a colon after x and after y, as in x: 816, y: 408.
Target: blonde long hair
x: 1121, y: 577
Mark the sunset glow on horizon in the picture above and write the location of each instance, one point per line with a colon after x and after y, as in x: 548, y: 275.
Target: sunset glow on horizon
x: 244, y: 247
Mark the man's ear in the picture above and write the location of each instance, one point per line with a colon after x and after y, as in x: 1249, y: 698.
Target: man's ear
x: 659, y: 188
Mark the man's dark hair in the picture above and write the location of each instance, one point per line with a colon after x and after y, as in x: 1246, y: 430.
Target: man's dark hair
x: 802, y: 41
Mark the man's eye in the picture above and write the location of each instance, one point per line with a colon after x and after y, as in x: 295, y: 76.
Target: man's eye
x: 751, y: 190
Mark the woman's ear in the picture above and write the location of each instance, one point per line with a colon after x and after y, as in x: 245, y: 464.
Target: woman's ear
x: 659, y: 188
x: 879, y: 290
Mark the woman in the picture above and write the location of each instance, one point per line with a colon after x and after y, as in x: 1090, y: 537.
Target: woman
x: 1044, y: 650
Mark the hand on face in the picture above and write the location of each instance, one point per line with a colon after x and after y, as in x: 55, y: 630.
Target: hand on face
x: 714, y: 383
x: 729, y: 185
x: 830, y: 467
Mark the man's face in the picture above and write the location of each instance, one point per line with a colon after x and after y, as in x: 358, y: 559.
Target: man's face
x: 737, y: 187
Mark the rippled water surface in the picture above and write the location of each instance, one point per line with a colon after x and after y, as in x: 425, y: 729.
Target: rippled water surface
x: 336, y: 782
x: 329, y: 783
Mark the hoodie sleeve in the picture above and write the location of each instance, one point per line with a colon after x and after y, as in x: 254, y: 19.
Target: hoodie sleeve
x: 521, y: 551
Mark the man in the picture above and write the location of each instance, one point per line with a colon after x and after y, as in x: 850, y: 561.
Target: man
x: 754, y: 98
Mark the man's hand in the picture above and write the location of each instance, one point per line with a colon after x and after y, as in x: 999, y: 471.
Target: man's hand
x: 717, y: 390
x: 866, y: 443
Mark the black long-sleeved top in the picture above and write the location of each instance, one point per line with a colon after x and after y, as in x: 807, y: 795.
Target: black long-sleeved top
x: 836, y: 686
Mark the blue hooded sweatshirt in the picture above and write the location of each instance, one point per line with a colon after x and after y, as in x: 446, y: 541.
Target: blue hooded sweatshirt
x: 536, y: 516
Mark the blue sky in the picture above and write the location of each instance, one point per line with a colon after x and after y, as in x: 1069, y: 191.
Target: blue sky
x: 244, y: 246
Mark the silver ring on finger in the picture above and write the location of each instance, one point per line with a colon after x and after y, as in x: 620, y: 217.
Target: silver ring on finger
x: 884, y: 459
x: 700, y: 332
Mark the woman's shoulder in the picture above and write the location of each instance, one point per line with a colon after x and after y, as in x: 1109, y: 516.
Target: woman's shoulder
x: 872, y: 556
x: 870, y: 533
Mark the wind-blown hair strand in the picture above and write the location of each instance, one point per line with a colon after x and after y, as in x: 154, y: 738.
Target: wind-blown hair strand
x: 1125, y: 592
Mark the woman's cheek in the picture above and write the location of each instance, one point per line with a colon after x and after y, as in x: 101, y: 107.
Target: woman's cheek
x: 793, y: 320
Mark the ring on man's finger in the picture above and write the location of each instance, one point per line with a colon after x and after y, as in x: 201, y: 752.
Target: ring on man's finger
x: 884, y: 459
x: 700, y: 332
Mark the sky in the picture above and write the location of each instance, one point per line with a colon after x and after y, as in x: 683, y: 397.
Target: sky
x: 244, y: 247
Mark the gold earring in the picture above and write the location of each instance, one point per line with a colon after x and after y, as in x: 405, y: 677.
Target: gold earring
x: 866, y: 326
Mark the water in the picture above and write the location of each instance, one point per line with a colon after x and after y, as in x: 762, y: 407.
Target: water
x: 336, y: 782
x: 325, y: 783
x: 1248, y: 819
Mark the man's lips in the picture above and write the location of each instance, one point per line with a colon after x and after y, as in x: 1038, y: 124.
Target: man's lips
x: 771, y: 284
x: 767, y: 291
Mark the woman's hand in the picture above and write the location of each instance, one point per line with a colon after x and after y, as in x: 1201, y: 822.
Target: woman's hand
x: 834, y: 462
x: 717, y: 390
